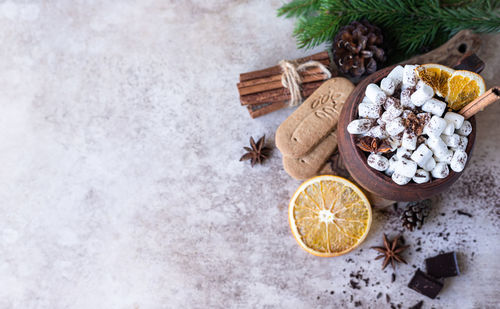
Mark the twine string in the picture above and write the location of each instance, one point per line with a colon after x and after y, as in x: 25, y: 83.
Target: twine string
x: 291, y: 79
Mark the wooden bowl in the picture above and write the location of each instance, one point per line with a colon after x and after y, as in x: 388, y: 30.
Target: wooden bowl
x: 371, y: 179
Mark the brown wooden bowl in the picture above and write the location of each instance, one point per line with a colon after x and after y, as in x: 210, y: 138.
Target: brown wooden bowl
x: 371, y: 179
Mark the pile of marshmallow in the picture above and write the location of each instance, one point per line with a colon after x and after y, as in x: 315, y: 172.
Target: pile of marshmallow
x: 418, y: 156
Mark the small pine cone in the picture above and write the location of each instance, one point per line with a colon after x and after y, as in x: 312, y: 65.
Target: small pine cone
x: 357, y: 48
x: 414, y: 214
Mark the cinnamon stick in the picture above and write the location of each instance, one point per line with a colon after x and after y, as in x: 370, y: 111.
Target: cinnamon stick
x: 277, y: 69
x: 266, y: 108
x: 275, y: 95
x: 277, y: 77
x: 257, y: 110
x: 278, y: 84
x: 480, y: 102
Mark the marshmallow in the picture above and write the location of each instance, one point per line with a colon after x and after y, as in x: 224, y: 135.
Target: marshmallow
x: 378, y: 132
x: 457, y: 119
x: 403, y: 153
x: 375, y: 94
x: 421, y: 95
x: 391, y: 101
x: 444, y: 157
x: 465, y: 129
x: 421, y: 176
x: 400, y: 179
x: 419, y: 84
x: 378, y: 162
x: 458, y: 161
x: 440, y: 170
x: 395, y: 141
x: 462, y: 144
x: 435, y: 126
x: 405, y: 167
x: 359, y: 126
x: 392, y: 163
x: 388, y: 85
x: 366, y: 100
x: 396, y: 74
x: 450, y: 128
x: 409, y: 76
x: 381, y: 122
x: 389, y: 115
x: 438, y: 146
x: 434, y: 106
x: 395, y: 126
x: 366, y: 110
x: 394, y: 110
x: 421, y: 155
x: 409, y: 141
x: 429, y: 165
x: 406, y: 98
x: 452, y: 140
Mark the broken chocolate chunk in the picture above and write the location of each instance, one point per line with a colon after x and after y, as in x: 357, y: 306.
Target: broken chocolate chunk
x: 443, y: 265
x: 425, y: 284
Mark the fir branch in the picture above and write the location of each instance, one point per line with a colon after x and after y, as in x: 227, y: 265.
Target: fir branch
x: 410, y: 24
x: 298, y: 8
x: 476, y: 19
x: 314, y: 30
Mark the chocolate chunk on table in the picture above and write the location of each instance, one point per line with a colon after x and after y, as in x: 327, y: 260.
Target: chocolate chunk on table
x: 425, y: 284
x: 443, y: 265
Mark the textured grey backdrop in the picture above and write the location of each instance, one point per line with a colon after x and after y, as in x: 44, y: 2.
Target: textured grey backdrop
x: 120, y: 134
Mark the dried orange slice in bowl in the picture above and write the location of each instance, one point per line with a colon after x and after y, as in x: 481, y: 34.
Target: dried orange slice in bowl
x: 463, y: 88
x: 329, y: 216
x: 436, y: 76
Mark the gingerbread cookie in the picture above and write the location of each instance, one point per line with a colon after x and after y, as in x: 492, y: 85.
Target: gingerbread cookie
x: 310, y: 164
x: 314, y: 119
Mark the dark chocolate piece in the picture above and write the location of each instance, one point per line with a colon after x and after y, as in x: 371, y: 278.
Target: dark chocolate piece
x: 443, y: 265
x: 425, y: 284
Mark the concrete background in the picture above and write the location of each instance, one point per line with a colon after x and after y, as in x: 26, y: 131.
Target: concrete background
x: 120, y: 134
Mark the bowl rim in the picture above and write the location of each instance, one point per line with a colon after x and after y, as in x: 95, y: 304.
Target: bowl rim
x: 420, y: 190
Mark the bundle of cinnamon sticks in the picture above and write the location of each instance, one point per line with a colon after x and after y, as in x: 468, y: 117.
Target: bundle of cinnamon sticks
x: 262, y: 91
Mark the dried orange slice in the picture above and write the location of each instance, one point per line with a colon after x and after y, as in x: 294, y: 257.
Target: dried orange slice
x: 463, y: 88
x: 329, y: 216
x: 436, y: 76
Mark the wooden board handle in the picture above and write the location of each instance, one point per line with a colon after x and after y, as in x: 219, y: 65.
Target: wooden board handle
x: 470, y: 62
x: 463, y: 43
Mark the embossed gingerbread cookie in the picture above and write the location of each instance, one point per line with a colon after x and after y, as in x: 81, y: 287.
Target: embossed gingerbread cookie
x: 314, y: 119
x: 309, y: 165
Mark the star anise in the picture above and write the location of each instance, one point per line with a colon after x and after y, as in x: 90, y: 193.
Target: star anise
x: 257, y: 153
x: 390, y: 252
x: 373, y: 144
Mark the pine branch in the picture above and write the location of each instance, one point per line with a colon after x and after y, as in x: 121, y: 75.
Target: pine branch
x: 476, y: 19
x: 312, y: 31
x: 298, y: 8
x: 409, y: 24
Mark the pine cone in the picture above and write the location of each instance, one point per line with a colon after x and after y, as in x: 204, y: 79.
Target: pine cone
x: 415, y: 213
x: 357, y: 48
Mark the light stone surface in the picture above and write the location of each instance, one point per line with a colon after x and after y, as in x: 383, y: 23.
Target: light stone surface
x: 120, y: 136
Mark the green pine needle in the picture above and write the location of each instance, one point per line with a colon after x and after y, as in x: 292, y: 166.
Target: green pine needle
x: 297, y: 8
x: 408, y: 25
